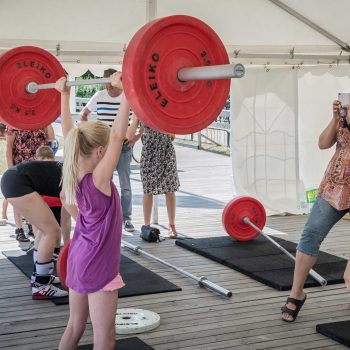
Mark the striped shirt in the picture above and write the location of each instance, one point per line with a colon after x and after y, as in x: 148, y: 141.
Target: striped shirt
x: 105, y: 106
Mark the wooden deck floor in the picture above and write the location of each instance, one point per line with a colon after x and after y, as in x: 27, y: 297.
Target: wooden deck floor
x: 193, y: 318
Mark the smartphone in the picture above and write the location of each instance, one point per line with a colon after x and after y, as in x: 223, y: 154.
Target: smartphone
x: 344, y: 98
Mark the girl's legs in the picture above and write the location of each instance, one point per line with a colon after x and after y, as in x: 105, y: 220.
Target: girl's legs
x: 171, y: 206
x: 5, y: 204
x: 103, y: 307
x: 20, y: 236
x: 18, y: 218
x: 171, y: 209
x: 78, y: 314
x: 41, y: 216
x: 147, y: 208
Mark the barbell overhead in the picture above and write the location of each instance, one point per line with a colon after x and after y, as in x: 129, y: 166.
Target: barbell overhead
x: 244, y: 218
x: 225, y: 71
x: 176, y: 75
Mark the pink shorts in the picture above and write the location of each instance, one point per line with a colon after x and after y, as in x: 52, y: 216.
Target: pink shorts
x: 115, y: 284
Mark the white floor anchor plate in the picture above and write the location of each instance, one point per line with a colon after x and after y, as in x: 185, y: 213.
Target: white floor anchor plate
x: 132, y: 321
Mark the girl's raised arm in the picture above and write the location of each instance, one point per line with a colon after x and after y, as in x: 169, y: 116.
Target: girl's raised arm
x: 105, y: 168
x: 66, y: 118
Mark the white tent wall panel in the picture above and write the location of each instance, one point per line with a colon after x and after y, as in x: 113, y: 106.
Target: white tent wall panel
x: 277, y: 117
x: 317, y: 88
x: 264, y: 137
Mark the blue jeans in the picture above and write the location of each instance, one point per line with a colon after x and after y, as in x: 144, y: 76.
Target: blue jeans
x: 124, y: 171
x: 322, y: 218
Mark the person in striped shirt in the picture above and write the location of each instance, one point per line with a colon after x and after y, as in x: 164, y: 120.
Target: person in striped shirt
x: 106, y: 104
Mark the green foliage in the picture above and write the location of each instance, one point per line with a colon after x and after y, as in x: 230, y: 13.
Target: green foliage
x: 87, y: 91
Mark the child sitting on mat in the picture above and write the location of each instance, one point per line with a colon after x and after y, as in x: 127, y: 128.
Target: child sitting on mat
x: 91, y: 153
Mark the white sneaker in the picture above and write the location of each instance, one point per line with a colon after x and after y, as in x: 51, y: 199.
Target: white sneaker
x: 47, y: 291
x: 54, y: 279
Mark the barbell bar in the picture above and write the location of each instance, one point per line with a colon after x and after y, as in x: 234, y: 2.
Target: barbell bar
x: 224, y: 71
x: 176, y: 77
x: 312, y: 273
x: 244, y: 218
x: 202, y: 281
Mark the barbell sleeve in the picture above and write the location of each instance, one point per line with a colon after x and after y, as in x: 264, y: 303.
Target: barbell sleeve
x: 312, y: 273
x: 224, y: 71
x: 202, y: 281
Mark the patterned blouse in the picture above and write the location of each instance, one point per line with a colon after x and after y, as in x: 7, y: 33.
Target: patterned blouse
x: 335, y: 185
x: 26, y: 143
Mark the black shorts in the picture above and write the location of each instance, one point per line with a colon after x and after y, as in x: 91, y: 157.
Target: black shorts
x: 39, y: 176
x: 56, y: 211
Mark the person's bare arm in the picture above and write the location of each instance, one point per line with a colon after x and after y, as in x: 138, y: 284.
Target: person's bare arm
x: 328, y: 136
x: 10, y: 138
x: 71, y: 209
x: 104, y: 170
x: 84, y: 114
x: 132, y: 134
x: 50, y: 132
x: 66, y: 118
x: 66, y: 223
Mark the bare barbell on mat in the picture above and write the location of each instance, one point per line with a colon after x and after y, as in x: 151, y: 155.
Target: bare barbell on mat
x: 176, y: 77
x: 244, y: 218
x: 202, y: 281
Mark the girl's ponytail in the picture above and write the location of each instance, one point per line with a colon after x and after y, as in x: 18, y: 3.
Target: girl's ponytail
x: 71, y: 166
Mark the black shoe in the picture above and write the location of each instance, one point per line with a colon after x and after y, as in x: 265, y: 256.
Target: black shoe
x: 20, y: 236
x: 30, y: 230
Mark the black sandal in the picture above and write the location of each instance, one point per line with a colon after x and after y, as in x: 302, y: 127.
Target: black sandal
x: 294, y: 313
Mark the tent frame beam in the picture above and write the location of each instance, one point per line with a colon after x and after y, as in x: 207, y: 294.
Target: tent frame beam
x: 311, y: 24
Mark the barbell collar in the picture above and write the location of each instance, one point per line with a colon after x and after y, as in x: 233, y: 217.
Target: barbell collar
x: 215, y: 72
x: 204, y: 282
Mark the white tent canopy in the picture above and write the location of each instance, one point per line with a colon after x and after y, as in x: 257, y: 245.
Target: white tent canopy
x: 296, y: 55
x: 89, y: 32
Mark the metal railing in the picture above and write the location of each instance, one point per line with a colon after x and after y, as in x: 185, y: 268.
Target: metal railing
x: 217, y: 133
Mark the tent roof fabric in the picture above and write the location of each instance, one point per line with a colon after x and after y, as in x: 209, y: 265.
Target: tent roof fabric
x: 87, y: 32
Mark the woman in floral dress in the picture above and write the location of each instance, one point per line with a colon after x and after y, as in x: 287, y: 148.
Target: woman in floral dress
x: 158, y: 172
x: 21, y: 146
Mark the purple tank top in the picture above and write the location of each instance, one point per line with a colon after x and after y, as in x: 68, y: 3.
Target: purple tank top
x: 94, y: 254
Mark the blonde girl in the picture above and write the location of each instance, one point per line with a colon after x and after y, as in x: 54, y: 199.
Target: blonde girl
x: 91, y: 153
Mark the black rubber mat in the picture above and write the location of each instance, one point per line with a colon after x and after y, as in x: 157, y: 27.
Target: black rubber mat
x: 263, y: 261
x: 138, y: 280
x: 338, y: 331
x: 133, y: 343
